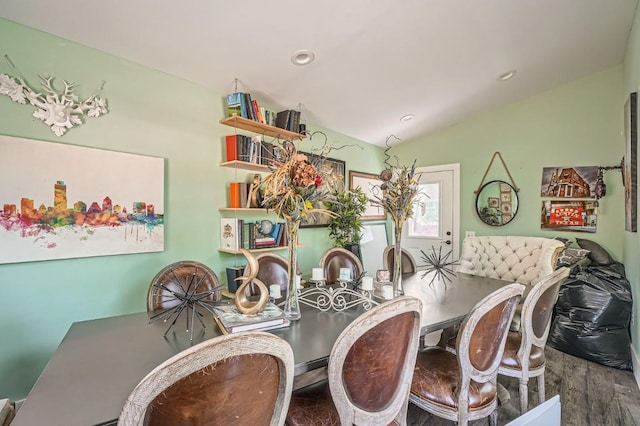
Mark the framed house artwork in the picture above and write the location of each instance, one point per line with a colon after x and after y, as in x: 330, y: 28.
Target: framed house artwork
x: 569, y: 182
x: 333, y: 173
x: 630, y: 167
x: 369, y: 183
x: 62, y: 201
x: 569, y: 215
x: 493, y: 202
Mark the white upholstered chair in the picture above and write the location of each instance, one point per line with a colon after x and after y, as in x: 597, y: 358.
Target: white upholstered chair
x: 525, y: 260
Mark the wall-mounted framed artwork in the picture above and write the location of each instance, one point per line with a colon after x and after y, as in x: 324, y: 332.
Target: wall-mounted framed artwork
x: 60, y: 201
x: 370, y: 185
x: 569, y: 182
x: 630, y: 170
x: 569, y: 215
x: 333, y: 173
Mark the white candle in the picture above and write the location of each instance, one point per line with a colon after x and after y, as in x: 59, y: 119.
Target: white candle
x: 387, y: 292
x: 298, y: 281
x: 367, y: 283
x: 274, y: 291
x: 317, y: 274
x: 345, y: 274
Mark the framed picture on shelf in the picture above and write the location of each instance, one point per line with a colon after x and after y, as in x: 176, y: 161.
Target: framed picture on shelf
x: 332, y: 172
x: 370, y: 185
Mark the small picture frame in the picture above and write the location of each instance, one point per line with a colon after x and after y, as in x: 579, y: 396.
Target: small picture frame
x: 505, y: 209
x: 493, y: 201
x: 505, y: 197
x: 505, y: 187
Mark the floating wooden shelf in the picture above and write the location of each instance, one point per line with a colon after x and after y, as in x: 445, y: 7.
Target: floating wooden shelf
x: 245, y: 165
x: 229, y: 251
x: 264, y: 129
x: 246, y: 209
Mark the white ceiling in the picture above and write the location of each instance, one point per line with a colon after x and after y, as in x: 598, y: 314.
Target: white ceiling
x: 376, y: 60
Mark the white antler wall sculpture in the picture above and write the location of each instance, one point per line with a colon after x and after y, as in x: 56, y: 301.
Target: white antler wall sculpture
x: 58, y: 110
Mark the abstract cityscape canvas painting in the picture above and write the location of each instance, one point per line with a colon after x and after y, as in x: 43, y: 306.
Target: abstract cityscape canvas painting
x: 61, y: 201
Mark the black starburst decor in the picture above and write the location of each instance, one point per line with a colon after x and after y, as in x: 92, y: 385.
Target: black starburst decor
x: 190, y: 296
x: 441, y: 264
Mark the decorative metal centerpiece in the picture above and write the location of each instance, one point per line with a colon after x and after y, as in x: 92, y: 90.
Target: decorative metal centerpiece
x: 440, y: 264
x: 338, y: 298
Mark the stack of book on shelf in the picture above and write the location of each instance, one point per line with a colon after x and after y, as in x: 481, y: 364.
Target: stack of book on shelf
x: 236, y: 234
x: 230, y: 320
x: 250, y: 149
x: 242, y: 105
x: 288, y: 119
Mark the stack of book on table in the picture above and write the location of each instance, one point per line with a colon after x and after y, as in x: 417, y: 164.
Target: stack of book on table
x: 230, y: 320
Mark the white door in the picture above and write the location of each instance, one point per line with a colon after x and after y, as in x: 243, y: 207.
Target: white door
x: 436, y: 214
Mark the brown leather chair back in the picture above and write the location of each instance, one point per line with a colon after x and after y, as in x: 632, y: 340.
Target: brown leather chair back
x: 181, y: 277
x: 334, y: 259
x: 481, y: 339
x: 408, y: 262
x: 243, y: 378
x: 371, y: 364
x: 272, y: 269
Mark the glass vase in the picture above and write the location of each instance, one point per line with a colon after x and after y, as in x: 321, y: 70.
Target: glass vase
x: 291, y: 305
x: 397, y: 261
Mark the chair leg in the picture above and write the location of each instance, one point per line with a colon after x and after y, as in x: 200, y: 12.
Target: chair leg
x: 524, y: 396
x: 493, y: 418
x: 541, y: 395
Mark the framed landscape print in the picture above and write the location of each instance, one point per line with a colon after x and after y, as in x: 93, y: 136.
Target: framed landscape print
x: 60, y: 201
x: 369, y: 183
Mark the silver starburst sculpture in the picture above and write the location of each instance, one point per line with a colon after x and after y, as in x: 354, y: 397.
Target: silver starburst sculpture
x: 441, y: 264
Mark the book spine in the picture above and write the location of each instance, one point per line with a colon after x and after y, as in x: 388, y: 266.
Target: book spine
x: 247, y: 99
x: 234, y: 195
x: 232, y: 147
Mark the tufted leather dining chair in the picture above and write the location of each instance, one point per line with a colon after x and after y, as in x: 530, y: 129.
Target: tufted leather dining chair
x: 210, y: 384
x: 463, y: 387
x: 511, y: 258
x: 408, y: 262
x: 334, y: 259
x: 524, y: 351
x: 370, y: 369
x: 177, y: 278
x: 272, y: 269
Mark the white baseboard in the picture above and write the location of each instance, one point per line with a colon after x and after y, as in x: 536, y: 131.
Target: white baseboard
x: 636, y: 365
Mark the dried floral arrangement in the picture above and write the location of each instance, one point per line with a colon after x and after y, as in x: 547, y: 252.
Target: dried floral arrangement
x: 292, y: 188
x: 399, y: 188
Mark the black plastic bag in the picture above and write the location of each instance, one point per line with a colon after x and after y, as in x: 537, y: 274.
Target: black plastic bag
x: 592, y: 316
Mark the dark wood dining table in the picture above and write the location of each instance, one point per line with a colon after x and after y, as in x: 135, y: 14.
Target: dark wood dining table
x: 99, y: 362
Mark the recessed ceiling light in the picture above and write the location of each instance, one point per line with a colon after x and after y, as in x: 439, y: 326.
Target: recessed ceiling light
x: 407, y: 117
x: 507, y: 75
x: 303, y: 57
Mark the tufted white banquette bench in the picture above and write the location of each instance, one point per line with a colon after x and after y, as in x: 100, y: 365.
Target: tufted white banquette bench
x: 525, y: 260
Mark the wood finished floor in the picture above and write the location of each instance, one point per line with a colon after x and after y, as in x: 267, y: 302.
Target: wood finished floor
x: 590, y: 394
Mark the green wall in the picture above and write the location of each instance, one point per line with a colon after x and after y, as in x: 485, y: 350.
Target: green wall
x: 632, y: 239
x: 150, y: 113
x: 577, y: 124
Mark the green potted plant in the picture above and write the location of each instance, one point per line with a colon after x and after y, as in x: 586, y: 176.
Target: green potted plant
x: 345, y: 226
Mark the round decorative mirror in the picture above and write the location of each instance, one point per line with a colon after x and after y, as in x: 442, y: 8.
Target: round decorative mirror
x: 497, y: 203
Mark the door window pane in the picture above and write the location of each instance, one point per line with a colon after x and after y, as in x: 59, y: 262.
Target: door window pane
x: 425, y: 222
